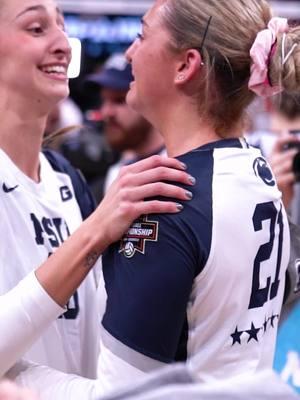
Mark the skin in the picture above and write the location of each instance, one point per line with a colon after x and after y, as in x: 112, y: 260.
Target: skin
x: 25, y: 104
x: 164, y: 85
x: 281, y: 161
x: 10, y: 391
x: 124, y: 128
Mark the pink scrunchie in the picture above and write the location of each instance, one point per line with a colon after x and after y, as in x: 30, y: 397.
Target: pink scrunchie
x: 261, y: 52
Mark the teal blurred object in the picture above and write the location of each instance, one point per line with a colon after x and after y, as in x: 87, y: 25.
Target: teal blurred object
x: 287, y: 356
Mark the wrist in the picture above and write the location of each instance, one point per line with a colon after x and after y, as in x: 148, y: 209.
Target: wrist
x: 96, y: 235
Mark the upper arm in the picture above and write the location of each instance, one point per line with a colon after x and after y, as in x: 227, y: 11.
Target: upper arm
x: 149, y: 276
x: 148, y: 285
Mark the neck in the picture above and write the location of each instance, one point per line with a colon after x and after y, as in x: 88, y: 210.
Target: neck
x: 21, y: 139
x: 183, y: 130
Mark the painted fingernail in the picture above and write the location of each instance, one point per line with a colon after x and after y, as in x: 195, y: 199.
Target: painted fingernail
x: 189, y: 195
x: 179, y: 207
x: 192, y: 180
x: 183, y: 165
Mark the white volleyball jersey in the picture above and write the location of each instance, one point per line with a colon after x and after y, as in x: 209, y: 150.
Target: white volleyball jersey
x: 35, y: 218
x: 204, y: 285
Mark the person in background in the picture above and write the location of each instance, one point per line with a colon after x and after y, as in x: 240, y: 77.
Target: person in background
x: 77, y: 140
x: 65, y: 114
x: 125, y: 131
x: 284, y: 157
x: 279, y: 141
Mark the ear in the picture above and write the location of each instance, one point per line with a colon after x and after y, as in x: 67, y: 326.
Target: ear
x: 188, y: 66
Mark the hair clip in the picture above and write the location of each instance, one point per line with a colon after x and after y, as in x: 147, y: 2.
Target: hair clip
x: 286, y: 57
x: 205, y: 33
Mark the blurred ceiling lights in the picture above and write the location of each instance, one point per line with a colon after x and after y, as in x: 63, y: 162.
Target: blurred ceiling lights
x: 284, y: 8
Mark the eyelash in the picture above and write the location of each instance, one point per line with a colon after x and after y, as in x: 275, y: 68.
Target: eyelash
x: 37, y: 30
x: 140, y: 36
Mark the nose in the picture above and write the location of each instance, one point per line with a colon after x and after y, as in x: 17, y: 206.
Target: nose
x: 61, y: 45
x: 107, y: 109
x: 130, y: 51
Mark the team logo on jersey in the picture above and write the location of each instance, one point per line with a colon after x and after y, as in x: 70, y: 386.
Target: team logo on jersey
x: 263, y: 171
x: 140, y: 232
x: 9, y: 189
x: 65, y: 193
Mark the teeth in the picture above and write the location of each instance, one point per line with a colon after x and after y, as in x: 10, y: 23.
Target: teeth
x: 59, y: 69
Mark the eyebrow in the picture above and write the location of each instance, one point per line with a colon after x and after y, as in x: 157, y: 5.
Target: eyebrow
x: 37, y: 8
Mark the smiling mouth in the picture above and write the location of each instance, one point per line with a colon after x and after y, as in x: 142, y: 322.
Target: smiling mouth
x: 55, y: 71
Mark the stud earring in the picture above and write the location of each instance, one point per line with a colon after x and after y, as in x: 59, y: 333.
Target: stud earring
x: 180, y: 77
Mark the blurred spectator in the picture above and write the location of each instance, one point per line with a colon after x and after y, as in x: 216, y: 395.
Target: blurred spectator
x: 285, y: 161
x: 81, y: 143
x: 125, y: 131
x: 285, y: 157
x: 280, y: 143
x: 64, y: 114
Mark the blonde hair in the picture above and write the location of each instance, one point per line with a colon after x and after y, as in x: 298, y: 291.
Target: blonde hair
x: 225, y: 52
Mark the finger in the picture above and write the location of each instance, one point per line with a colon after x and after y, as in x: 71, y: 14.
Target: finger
x: 154, y: 162
x: 157, y: 189
x: 279, y: 158
x: 286, y: 180
x: 155, y: 175
x: 285, y: 166
x: 157, y: 207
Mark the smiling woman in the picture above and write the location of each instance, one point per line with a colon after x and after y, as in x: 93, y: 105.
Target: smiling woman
x: 46, y: 251
x: 45, y: 49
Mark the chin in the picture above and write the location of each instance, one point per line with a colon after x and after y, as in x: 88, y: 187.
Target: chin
x: 131, y: 99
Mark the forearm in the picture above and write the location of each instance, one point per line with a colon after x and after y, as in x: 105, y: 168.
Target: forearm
x: 25, y: 312
x: 62, y: 273
x: 51, y: 384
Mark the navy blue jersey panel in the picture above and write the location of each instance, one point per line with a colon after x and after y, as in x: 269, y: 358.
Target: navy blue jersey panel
x: 83, y: 194
x: 149, y: 274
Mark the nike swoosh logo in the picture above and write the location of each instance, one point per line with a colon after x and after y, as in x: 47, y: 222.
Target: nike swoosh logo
x: 8, y: 189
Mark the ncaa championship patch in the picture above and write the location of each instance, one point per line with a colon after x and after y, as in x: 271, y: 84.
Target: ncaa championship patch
x: 141, y: 231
